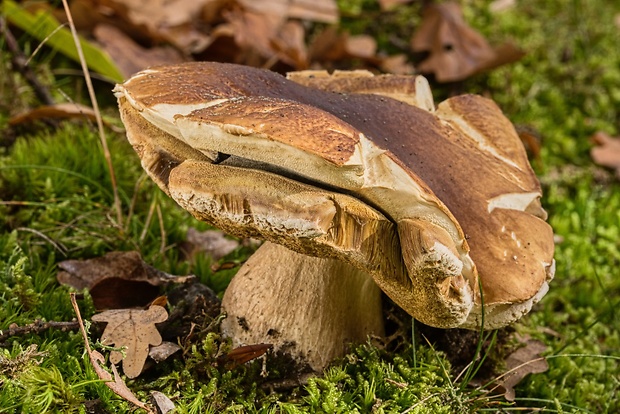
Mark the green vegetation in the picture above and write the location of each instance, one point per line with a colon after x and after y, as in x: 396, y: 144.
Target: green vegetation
x: 56, y: 203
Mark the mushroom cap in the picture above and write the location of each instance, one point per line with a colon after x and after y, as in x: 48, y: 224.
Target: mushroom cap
x: 449, y: 180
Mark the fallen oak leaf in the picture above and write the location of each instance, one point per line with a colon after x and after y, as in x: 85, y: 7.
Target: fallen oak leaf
x: 606, y: 151
x: 116, y: 384
x: 134, y: 329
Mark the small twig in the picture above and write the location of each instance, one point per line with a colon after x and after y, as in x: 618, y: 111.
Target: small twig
x: 20, y: 63
x: 37, y: 327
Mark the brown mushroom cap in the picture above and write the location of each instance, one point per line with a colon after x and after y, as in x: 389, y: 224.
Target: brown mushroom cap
x: 389, y: 155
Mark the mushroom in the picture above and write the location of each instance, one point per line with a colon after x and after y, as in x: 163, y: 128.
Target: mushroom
x: 439, y: 207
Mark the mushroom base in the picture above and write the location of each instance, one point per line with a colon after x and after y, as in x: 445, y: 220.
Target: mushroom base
x: 310, y: 308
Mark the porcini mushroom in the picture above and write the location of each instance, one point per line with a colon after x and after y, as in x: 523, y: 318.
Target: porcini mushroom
x: 425, y: 202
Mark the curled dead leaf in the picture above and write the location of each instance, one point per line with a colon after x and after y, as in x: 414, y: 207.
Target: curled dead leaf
x: 135, y: 330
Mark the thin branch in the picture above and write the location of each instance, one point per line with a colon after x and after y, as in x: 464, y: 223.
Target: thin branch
x: 37, y: 327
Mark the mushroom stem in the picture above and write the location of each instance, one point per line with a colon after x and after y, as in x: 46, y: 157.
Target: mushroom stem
x: 311, y: 308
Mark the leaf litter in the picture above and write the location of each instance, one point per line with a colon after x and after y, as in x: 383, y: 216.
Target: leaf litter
x: 281, y: 35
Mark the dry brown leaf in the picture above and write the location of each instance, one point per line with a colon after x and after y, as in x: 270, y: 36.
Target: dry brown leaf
x: 504, y: 54
x: 331, y: 45
x: 135, y: 330
x: 361, y: 46
x: 397, y: 65
x: 173, y: 21
x: 390, y: 4
x: 274, y: 10
x: 163, y: 351
x: 162, y: 402
x: 456, y: 51
x: 252, y: 34
x: 243, y: 354
x: 117, y: 280
x: 531, y: 140
x: 264, y: 33
x: 290, y: 45
x: 212, y: 10
x: 325, y: 11
x: 129, y: 56
x: 57, y: 111
x: 524, y: 361
x: 328, y: 45
x: 264, y: 39
x: 606, y: 151
x: 116, y: 383
x: 212, y: 243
